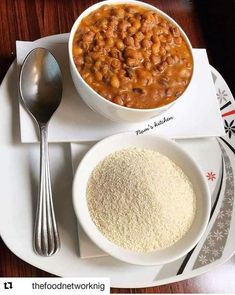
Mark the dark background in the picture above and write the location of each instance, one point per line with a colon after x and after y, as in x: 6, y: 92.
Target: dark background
x: 212, y: 20
x: 209, y: 24
x: 217, y: 20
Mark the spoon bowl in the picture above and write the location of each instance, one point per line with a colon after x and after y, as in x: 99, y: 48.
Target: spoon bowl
x: 40, y: 87
x: 40, y: 84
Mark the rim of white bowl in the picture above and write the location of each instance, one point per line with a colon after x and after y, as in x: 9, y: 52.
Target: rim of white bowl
x: 142, y: 4
x: 99, y: 242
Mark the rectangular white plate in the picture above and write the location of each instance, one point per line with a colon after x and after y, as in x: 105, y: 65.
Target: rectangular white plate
x: 19, y: 177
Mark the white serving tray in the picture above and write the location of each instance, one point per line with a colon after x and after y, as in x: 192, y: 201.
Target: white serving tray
x: 19, y: 175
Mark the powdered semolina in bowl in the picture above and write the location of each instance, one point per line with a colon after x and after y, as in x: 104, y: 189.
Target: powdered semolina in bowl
x: 141, y: 199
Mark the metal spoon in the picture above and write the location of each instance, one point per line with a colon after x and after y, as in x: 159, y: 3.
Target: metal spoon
x: 40, y: 88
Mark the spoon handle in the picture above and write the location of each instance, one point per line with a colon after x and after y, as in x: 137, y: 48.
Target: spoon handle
x: 46, y: 236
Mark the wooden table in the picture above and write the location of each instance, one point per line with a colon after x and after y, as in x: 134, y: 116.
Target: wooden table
x: 208, y: 24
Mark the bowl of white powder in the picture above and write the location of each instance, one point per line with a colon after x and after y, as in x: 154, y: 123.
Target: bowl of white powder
x: 141, y: 199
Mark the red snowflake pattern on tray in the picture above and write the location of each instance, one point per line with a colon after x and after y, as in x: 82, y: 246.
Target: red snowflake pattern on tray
x: 211, y: 176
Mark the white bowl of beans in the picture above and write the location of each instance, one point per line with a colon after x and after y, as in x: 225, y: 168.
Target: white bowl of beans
x: 129, y: 60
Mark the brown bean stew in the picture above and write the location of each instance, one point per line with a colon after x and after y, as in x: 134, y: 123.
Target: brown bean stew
x: 132, y: 56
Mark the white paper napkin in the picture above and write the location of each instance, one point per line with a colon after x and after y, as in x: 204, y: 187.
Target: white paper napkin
x: 197, y: 148
x: 197, y: 115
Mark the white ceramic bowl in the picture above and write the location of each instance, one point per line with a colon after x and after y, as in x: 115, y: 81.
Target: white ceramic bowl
x: 98, y: 103
x: 172, y: 150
